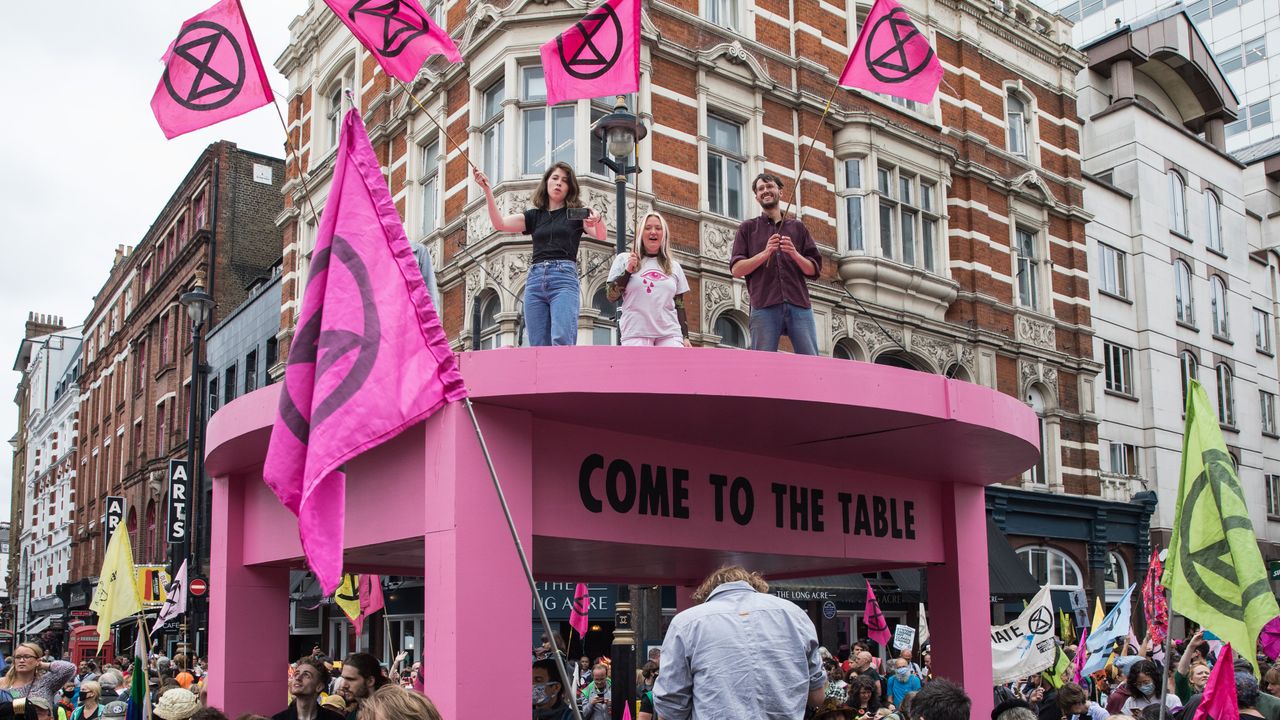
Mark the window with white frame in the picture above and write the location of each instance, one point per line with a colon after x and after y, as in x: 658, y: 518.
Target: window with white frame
x: 602, y: 331
x: 1018, y: 121
x: 1226, y: 396
x: 435, y: 10
x: 1267, y: 403
x: 491, y: 131
x: 429, y: 185
x: 1184, y: 300
x: 908, y: 217
x: 1273, y: 495
x: 334, y: 99
x: 489, y: 307
x: 1118, y: 361
x: 1218, y: 307
x: 546, y: 132
x: 1038, y: 474
x: 721, y: 12
x: 1115, y: 578
x: 1112, y: 265
x: 726, y: 159
x: 730, y: 331
x: 851, y: 202
x: 1028, y: 268
x: 1177, y: 203
x: 1189, y: 369
x: 1262, y: 330
x: 1051, y: 567
x: 1213, y: 222
x: 1124, y: 458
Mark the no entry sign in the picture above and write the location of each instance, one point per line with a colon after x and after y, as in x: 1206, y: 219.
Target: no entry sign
x: 198, y: 587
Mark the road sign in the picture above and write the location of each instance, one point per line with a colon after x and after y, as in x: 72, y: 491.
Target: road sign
x: 114, y: 505
x: 179, y: 501
x: 198, y: 586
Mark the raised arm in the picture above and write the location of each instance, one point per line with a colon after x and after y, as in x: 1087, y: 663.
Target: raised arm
x: 501, y: 223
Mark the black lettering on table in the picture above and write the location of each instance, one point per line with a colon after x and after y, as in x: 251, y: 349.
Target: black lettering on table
x: 620, y: 503
x: 590, y: 464
x: 718, y: 482
x: 654, y: 499
x: 742, y: 501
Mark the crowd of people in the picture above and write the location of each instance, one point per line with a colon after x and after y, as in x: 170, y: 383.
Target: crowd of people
x: 775, y: 254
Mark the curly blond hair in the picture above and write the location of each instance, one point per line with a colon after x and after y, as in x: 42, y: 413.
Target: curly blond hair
x: 392, y: 702
x: 727, y: 574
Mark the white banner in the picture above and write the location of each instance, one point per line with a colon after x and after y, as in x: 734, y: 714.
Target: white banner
x: 1025, y: 646
x: 904, y: 636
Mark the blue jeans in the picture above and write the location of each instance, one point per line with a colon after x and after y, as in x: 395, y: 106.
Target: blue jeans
x: 552, y: 298
x: 769, y: 324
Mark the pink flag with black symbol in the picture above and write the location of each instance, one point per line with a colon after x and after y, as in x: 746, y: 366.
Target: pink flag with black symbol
x: 578, y: 619
x: 211, y: 72
x: 368, y: 360
x: 892, y: 56
x: 1219, y: 701
x: 874, y: 619
x: 371, y: 600
x: 598, y: 56
x: 398, y: 33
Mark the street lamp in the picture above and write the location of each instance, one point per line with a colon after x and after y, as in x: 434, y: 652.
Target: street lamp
x: 199, y: 305
x: 620, y: 130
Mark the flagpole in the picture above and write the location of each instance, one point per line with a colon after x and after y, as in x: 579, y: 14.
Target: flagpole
x: 297, y: 164
x: 1168, y: 656
x: 524, y: 562
x: 444, y: 132
x: 809, y: 151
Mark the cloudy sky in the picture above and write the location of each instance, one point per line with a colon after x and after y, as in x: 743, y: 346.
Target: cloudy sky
x: 83, y: 165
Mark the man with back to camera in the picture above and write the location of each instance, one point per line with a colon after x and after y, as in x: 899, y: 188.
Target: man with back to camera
x: 777, y: 256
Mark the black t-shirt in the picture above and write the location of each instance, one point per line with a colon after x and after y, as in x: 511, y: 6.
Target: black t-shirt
x: 555, y: 236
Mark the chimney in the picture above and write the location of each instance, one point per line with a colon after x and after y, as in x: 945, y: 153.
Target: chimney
x: 41, y: 324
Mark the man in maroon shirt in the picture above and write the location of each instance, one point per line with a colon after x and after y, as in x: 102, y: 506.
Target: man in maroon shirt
x: 777, y: 256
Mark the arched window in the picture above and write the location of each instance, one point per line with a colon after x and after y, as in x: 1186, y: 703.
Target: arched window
x: 132, y: 526
x: 1177, y: 203
x: 489, y: 306
x: 1190, y: 370
x: 1218, y: 307
x: 1116, y: 577
x: 1051, y: 567
x: 603, y: 331
x: 1213, y: 221
x: 1038, y: 473
x: 153, y: 552
x: 1019, y: 124
x: 730, y: 332
x: 843, y: 350
x: 958, y: 372
x: 896, y: 360
x: 1183, y: 297
x: 1226, y: 396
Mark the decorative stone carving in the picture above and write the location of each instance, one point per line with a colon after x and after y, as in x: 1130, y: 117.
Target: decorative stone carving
x: 874, y: 338
x: 1038, y: 372
x: 517, y: 266
x: 717, y: 242
x: 1030, y: 182
x: 838, y: 324
x: 941, y: 352
x: 966, y: 359
x: 1035, y: 332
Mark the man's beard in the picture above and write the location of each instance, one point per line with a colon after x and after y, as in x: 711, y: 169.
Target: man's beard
x: 769, y: 204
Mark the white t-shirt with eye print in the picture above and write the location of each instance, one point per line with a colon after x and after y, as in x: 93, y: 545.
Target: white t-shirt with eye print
x: 648, y: 304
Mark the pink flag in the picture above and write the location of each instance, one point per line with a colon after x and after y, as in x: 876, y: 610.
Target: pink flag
x: 1081, y: 655
x: 211, y: 72
x: 1154, y: 603
x: 581, y: 607
x: 398, y: 33
x: 371, y: 600
x: 1219, y: 701
x: 626, y: 712
x: 877, y: 626
x: 892, y: 56
x: 598, y: 56
x: 1269, y: 638
x: 369, y: 358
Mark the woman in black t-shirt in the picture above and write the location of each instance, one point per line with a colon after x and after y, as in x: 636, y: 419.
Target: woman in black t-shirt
x: 552, y: 293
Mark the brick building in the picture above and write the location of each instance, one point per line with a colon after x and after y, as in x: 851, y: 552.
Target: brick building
x: 135, y: 385
x: 953, y: 233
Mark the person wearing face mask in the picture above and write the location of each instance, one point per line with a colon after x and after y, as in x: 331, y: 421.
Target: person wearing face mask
x: 552, y: 294
x: 901, y: 682
x: 596, y: 701
x: 1076, y: 705
x: 548, y: 695
x: 1144, y: 690
x: 652, y: 303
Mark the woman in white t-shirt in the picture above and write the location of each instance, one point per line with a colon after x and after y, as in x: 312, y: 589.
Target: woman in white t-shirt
x: 652, y: 286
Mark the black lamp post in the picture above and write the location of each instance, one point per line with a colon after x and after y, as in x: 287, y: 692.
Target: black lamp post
x: 620, y: 130
x: 199, y: 305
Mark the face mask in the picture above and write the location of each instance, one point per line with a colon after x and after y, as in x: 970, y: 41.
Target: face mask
x: 539, y: 693
x: 1147, y: 689
x: 902, y: 673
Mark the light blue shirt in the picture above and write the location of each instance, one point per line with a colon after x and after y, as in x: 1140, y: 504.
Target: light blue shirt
x: 741, y: 654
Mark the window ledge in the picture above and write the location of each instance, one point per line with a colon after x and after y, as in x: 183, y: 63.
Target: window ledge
x: 1229, y: 428
x: 1220, y: 253
x: 1270, y: 434
x: 1121, y: 395
x: 1177, y: 234
x: 1264, y: 351
x: 900, y: 287
x: 1114, y: 296
x: 1223, y: 338
x: 1187, y: 325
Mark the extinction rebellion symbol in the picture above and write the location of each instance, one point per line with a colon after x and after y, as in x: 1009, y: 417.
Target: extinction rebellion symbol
x: 595, y: 56
x: 888, y: 60
x: 207, y: 46
x: 402, y: 23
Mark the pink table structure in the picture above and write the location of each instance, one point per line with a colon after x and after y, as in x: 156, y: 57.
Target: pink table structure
x: 627, y: 465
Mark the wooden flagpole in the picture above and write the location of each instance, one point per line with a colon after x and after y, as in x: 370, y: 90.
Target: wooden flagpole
x: 297, y: 162
x: 435, y: 122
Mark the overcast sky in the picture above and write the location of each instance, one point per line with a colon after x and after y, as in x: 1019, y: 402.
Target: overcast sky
x: 83, y: 165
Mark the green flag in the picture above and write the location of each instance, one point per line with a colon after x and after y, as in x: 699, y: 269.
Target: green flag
x: 1214, y: 572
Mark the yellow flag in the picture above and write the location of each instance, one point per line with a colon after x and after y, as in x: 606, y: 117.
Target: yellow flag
x: 1214, y: 571
x: 1098, y: 614
x: 347, y: 596
x: 116, y: 596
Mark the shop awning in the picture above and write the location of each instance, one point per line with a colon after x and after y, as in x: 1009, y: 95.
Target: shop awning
x: 1007, y: 573
x: 38, y: 625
